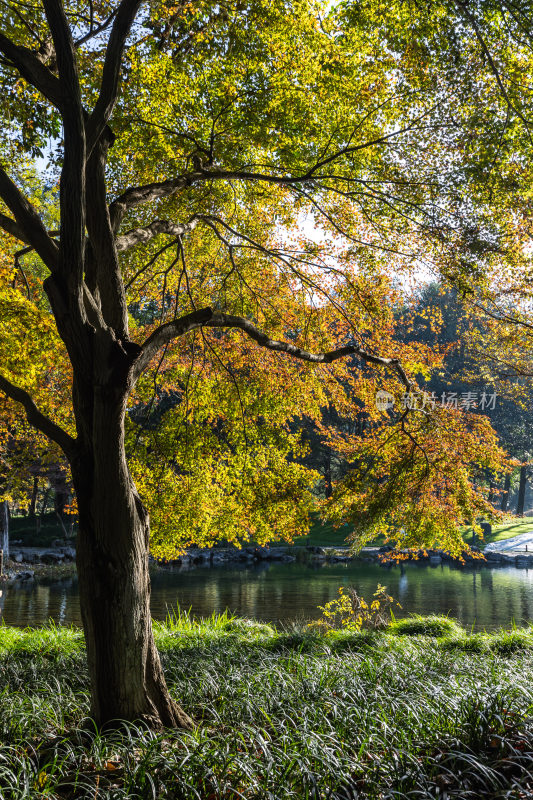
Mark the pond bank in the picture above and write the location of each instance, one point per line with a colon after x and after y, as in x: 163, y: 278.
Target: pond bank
x: 218, y: 556
x: 29, y: 563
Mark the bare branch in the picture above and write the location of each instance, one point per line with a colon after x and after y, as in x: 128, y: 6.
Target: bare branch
x: 28, y: 221
x: 219, y: 320
x: 33, y: 70
x: 207, y: 318
x: 37, y: 418
x: 18, y: 256
x: 143, y: 235
x: 103, y: 108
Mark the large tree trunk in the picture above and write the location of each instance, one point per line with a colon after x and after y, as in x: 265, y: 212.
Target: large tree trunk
x: 127, y: 681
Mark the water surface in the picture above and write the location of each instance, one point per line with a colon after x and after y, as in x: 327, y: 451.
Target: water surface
x: 482, y: 597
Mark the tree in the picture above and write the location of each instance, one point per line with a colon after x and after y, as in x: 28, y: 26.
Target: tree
x: 4, y: 530
x: 233, y: 127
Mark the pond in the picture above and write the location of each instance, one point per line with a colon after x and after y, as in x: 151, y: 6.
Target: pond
x: 485, y: 598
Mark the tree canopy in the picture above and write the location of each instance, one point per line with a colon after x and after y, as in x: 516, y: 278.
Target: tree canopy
x: 212, y: 216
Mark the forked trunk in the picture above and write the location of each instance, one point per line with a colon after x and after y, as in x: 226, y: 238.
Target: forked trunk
x: 127, y: 681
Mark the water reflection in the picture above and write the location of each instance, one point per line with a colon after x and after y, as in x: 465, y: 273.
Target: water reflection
x: 482, y: 597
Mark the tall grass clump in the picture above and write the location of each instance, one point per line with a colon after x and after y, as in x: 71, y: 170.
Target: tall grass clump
x: 280, y: 714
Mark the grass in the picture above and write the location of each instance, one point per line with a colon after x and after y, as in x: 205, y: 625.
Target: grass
x: 421, y: 710
x: 323, y: 534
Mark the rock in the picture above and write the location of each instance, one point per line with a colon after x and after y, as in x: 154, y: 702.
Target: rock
x: 69, y: 553
x: 18, y: 558
x: 276, y: 554
x: 524, y: 561
x: 317, y: 551
x: 495, y: 558
x: 259, y: 553
x: 26, y: 575
x: 51, y: 557
x: 385, y: 549
x: 435, y: 560
x: 506, y: 559
x: 58, y: 543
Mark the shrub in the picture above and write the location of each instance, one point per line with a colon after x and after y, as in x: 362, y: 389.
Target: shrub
x: 417, y: 625
x: 351, y: 612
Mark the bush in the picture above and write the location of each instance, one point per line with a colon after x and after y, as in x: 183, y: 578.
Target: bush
x: 417, y: 625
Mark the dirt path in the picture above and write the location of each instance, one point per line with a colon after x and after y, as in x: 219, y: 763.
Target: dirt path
x: 516, y: 543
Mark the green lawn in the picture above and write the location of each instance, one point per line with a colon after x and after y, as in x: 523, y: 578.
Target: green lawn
x: 325, y: 535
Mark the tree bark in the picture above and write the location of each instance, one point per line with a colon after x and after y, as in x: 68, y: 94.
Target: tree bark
x: 505, y: 493
x: 327, y: 474
x: 35, y: 491
x: 127, y: 681
x: 522, y: 491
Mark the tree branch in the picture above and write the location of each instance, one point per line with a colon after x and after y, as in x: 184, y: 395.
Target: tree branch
x: 165, y: 334
x: 137, y: 195
x: 72, y: 183
x: 463, y: 9
x: 37, y: 418
x: 28, y: 221
x: 10, y: 226
x: 219, y: 320
x: 207, y: 318
x: 102, y: 267
x: 103, y: 108
x: 138, y: 235
x: 32, y: 69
